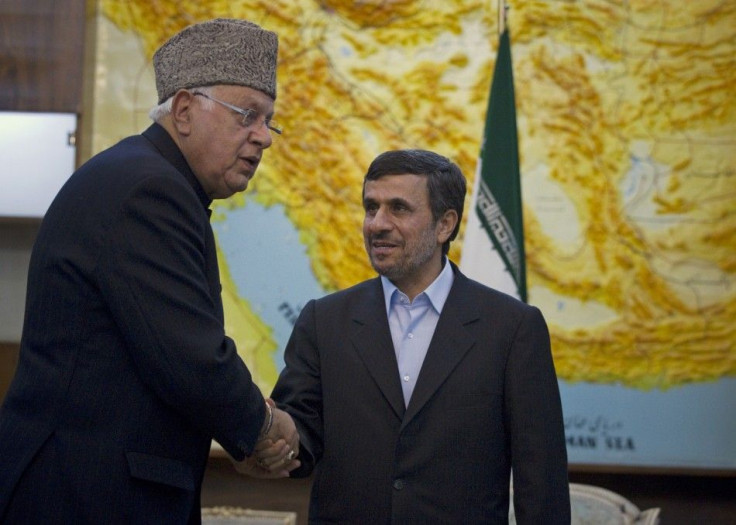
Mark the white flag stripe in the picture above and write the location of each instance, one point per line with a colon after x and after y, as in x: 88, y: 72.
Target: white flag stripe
x: 480, y: 260
x: 500, y: 227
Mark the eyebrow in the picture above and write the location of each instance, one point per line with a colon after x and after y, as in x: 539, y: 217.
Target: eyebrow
x: 392, y: 202
x: 253, y: 105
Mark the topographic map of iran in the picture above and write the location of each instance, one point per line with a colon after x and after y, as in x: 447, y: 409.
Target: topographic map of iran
x: 627, y: 138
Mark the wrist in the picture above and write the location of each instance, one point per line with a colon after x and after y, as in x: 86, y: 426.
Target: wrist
x: 268, y: 421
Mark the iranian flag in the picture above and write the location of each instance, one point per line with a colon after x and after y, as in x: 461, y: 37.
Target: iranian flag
x: 493, y: 249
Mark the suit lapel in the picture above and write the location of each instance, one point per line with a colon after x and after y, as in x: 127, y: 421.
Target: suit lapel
x: 371, y: 337
x: 451, y: 341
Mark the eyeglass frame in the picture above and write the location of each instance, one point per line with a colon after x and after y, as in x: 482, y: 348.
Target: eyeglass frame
x: 245, y: 113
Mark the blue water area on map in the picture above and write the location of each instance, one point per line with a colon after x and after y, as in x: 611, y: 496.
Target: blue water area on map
x: 269, y: 266
x: 691, y: 426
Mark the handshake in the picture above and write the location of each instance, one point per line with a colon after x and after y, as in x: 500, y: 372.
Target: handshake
x: 275, y: 453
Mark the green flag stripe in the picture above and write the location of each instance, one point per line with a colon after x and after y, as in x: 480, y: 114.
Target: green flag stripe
x: 500, y: 187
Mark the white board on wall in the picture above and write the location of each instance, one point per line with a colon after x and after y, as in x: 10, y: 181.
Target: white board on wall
x: 38, y: 155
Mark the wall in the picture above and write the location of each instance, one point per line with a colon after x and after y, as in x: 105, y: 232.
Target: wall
x: 16, y: 241
x: 41, y: 66
x: 42, y: 54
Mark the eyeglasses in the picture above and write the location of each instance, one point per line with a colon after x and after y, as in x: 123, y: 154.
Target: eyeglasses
x: 249, y: 116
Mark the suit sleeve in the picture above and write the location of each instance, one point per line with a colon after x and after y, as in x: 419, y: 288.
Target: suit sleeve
x: 298, y: 390
x: 152, y: 271
x: 534, y: 418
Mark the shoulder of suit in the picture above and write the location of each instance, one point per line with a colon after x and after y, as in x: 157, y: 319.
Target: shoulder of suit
x: 140, y: 156
x: 482, y: 294
x: 135, y: 157
x: 370, y: 288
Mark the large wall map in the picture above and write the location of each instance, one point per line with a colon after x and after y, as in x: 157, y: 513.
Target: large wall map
x: 627, y: 135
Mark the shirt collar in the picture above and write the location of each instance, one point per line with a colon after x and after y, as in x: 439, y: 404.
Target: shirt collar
x: 437, y: 292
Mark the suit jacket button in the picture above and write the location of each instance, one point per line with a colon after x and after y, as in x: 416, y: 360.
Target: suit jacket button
x: 399, y: 484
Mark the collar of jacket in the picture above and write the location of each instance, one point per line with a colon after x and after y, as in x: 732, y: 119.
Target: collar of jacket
x: 161, y: 139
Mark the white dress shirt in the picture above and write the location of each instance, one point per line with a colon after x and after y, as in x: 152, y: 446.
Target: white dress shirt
x: 412, y: 324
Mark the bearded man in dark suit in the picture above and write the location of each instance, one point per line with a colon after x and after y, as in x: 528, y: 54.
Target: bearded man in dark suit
x: 418, y: 392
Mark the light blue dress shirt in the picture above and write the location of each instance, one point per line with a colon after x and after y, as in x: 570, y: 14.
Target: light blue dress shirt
x: 412, y: 324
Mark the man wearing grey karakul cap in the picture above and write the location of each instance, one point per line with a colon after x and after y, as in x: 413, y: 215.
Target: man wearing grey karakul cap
x: 125, y: 372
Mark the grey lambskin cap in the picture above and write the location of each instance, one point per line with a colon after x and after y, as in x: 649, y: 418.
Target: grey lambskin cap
x: 220, y: 51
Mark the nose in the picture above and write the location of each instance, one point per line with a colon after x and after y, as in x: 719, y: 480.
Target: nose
x: 261, y: 136
x: 379, y: 221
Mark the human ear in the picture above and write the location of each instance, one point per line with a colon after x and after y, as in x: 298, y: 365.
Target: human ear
x: 446, y: 225
x: 181, y: 111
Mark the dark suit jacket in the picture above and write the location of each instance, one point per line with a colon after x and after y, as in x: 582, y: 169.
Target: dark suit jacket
x: 486, y: 400
x: 125, y: 372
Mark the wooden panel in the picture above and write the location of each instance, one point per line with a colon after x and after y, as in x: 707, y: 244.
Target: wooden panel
x: 8, y: 362
x: 224, y: 487
x: 41, y: 55
x: 683, y: 499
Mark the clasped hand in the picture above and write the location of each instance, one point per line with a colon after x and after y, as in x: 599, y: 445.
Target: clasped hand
x: 274, y: 455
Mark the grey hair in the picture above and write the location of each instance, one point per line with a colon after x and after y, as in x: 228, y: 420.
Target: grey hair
x: 161, y: 110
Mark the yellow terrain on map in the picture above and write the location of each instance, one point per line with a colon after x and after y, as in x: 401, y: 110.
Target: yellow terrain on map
x: 627, y: 136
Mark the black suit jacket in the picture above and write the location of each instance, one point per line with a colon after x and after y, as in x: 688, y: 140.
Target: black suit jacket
x: 125, y: 372
x: 486, y: 401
